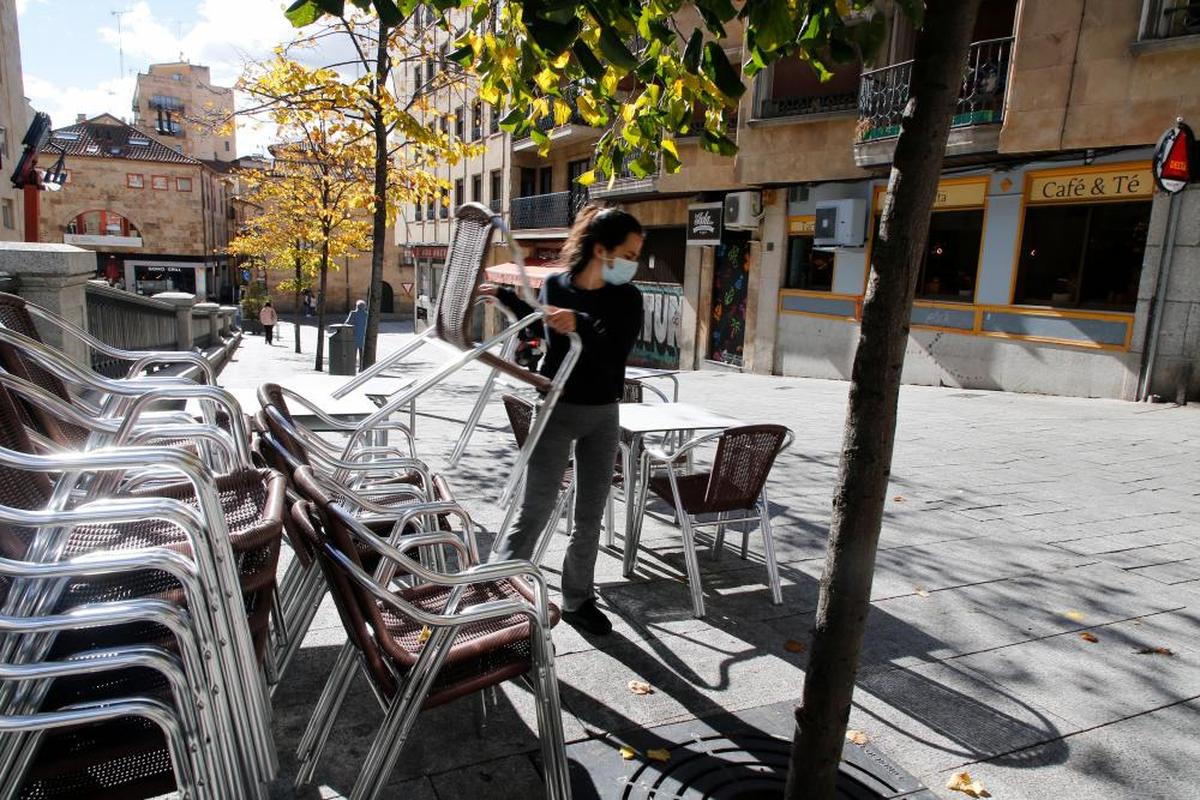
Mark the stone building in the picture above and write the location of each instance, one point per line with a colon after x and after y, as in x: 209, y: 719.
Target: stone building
x: 179, y: 103
x: 15, y: 116
x: 158, y: 220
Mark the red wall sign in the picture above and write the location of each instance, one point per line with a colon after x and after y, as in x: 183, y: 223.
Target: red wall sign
x: 1173, y: 159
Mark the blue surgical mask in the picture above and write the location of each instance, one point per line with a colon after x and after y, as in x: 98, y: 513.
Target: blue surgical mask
x: 619, y: 270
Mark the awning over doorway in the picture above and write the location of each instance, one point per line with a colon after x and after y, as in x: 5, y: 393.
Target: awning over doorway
x: 508, y: 273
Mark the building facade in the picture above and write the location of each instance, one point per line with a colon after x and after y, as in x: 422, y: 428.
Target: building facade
x: 179, y: 104
x: 157, y: 220
x: 15, y: 116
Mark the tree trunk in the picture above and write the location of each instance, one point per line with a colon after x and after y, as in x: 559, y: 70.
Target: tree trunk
x: 380, y: 216
x: 299, y: 310
x: 321, y: 302
x: 870, y: 428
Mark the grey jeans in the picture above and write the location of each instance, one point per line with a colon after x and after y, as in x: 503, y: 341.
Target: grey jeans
x: 595, y: 432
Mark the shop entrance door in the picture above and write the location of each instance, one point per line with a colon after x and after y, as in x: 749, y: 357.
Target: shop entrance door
x: 731, y: 283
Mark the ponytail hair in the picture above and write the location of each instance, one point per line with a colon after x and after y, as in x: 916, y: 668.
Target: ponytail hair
x: 607, y: 227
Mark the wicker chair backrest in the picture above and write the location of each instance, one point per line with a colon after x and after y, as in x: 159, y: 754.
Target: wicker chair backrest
x: 741, y: 465
x: 358, y: 610
x: 632, y: 392
x: 465, y: 257
x: 520, y: 416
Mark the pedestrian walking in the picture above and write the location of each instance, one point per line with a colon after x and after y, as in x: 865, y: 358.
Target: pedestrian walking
x: 358, y: 318
x: 308, y: 303
x: 594, y: 298
x: 268, y: 318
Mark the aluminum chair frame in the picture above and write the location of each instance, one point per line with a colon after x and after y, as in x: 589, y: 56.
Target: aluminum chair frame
x: 401, y: 713
x: 652, y: 457
x: 214, y: 558
x: 314, y: 439
x: 141, y: 359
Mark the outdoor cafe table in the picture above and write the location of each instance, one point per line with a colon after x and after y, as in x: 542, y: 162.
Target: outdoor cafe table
x: 639, y: 420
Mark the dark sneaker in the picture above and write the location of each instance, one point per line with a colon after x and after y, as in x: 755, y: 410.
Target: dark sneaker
x: 588, y: 619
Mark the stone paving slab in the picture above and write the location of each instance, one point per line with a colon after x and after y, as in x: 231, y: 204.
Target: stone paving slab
x: 1013, y: 524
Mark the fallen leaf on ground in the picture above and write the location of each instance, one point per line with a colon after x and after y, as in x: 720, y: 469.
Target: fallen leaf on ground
x: 640, y: 687
x: 857, y: 737
x: 1156, y: 651
x: 963, y: 782
x: 1075, y: 615
x: 628, y: 753
x: 1088, y: 636
x: 899, y: 498
x: 424, y: 635
x: 659, y: 754
x: 792, y: 646
x: 921, y: 591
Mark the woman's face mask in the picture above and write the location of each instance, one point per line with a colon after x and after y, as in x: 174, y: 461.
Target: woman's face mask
x: 619, y: 270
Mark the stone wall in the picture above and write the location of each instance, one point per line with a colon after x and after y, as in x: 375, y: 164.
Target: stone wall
x: 205, y: 106
x: 1177, y: 358
x: 15, y: 116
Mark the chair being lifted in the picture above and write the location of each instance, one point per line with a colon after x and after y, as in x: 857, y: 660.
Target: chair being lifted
x: 474, y: 227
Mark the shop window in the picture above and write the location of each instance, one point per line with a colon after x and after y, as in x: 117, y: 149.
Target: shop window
x: 807, y: 267
x: 951, y: 256
x: 1082, y: 256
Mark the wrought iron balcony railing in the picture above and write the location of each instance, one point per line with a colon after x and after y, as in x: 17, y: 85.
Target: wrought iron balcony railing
x: 554, y: 210
x: 883, y: 92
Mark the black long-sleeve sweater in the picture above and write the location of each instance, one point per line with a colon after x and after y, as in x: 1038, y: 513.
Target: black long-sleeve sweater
x: 608, y: 321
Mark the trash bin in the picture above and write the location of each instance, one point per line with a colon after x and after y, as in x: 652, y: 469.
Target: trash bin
x: 342, y: 354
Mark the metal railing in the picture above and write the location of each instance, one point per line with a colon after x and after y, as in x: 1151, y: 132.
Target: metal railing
x: 883, y: 92
x: 129, y: 321
x: 554, y: 210
x: 1166, y: 19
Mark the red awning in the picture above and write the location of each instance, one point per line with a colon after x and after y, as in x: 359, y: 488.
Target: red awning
x: 508, y: 273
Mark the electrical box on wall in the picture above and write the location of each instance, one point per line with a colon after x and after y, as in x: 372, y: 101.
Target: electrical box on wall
x: 840, y: 223
x: 742, y: 210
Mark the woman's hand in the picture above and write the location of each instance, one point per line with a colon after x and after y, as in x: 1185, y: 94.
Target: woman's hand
x: 560, y: 320
x: 488, y: 289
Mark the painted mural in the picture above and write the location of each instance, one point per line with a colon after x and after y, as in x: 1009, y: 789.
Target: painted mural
x: 658, y: 343
x: 731, y: 284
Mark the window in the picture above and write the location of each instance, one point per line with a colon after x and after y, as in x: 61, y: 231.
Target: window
x: 430, y: 68
x: 458, y: 122
x: 528, y: 181
x: 7, y: 215
x: 430, y: 206
x: 226, y: 145
x: 183, y: 184
x: 497, y: 196
x: 1163, y: 19
x: 3, y: 142
x: 494, y: 127
x: 477, y: 121
x: 417, y: 79
x: 158, y: 182
x: 458, y: 192
x: 1082, y: 256
x: 476, y: 188
x: 445, y: 204
x: 951, y: 260
x: 546, y: 180
x: 417, y: 209
x: 135, y: 181
x: 443, y: 124
x: 807, y: 267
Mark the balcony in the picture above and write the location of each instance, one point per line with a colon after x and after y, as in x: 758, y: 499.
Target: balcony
x: 790, y: 88
x: 575, y: 130
x: 626, y: 185
x: 975, y: 128
x: 554, y: 210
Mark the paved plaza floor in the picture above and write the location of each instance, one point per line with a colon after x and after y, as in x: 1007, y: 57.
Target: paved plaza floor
x: 1015, y: 525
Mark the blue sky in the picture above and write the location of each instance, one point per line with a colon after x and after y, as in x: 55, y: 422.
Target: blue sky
x: 69, y: 49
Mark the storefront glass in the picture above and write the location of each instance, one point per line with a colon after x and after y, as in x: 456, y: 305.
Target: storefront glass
x: 807, y: 267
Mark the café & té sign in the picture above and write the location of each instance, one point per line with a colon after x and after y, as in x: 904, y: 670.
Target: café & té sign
x: 1091, y: 184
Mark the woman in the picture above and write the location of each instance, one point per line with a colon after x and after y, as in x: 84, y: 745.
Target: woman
x: 267, y: 318
x: 595, y: 299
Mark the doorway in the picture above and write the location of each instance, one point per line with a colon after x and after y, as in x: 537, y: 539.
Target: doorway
x: 387, y: 301
x: 731, y: 285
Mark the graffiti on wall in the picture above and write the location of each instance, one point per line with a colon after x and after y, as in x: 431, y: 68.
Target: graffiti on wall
x: 731, y: 284
x: 658, y: 343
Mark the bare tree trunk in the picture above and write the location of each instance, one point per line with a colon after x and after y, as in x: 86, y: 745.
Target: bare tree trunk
x: 380, y: 216
x: 299, y: 310
x: 321, y: 302
x: 870, y: 429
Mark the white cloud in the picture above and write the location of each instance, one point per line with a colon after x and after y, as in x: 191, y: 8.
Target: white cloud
x: 63, y: 103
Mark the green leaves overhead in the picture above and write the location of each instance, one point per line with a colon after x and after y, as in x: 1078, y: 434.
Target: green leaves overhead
x: 627, y: 67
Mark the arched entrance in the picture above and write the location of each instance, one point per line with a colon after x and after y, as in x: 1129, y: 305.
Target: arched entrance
x: 388, y: 300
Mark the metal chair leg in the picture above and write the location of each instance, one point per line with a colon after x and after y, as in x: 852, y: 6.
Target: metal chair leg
x: 769, y: 550
x: 312, y: 743
x: 609, y: 517
x: 691, y: 562
x: 719, y: 538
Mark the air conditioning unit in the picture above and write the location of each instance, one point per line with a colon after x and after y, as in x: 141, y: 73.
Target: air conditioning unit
x: 840, y: 223
x: 742, y: 210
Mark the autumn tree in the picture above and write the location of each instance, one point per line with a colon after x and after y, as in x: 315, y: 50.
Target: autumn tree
x: 401, y: 151
x: 637, y: 71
